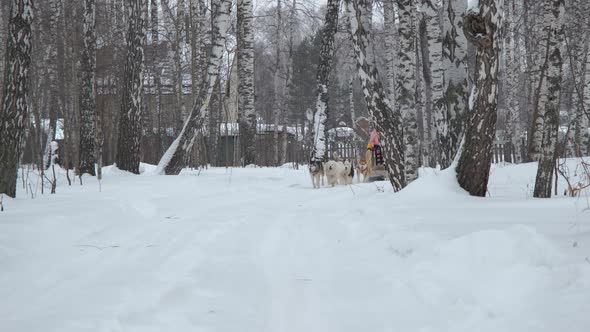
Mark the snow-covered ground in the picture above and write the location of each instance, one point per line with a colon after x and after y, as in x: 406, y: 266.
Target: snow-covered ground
x: 253, y: 250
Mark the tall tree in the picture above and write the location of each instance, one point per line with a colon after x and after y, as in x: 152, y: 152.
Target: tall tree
x: 435, y: 72
x: 128, y: 146
x: 279, y: 83
x: 88, y: 91
x: 389, y: 27
x: 405, y: 89
x: 549, y: 96
x: 155, y: 40
x: 177, y: 155
x: 50, y: 34
x: 482, y: 27
x: 14, y: 108
x: 319, y: 151
x: 535, y: 60
x: 455, y: 70
x: 388, y: 121
x: 579, y: 54
x: 246, y: 111
x: 582, y: 134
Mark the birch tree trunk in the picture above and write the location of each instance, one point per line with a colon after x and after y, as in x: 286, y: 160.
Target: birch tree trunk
x: 389, y: 26
x: 536, y: 70
x: 88, y: 91
x: 278, y: 85
x: 430, y: 9
x: 246, y: 111
x: 482, y: 28
x: 388, y: 121
x: 128, y: 146
x: 549, y: 96
x: 583, y: 113
x: 455, y: 71
x: 3, y: 26
x: 14, y: 109
x: 155, y: 40
x: 319, y: 151
x: 49, y: 34
x: 510, y: 71
x: 197, y: 13
x: 178, y: 154
x: 423, y: 102
x: 579, y: 129
x: 406, y: 86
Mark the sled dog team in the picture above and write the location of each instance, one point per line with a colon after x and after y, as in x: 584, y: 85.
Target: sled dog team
x: 338, y: 172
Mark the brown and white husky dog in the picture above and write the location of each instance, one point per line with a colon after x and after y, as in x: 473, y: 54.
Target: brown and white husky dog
x: 364, y: 167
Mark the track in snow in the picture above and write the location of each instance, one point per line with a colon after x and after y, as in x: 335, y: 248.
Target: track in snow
x: 259, y: 250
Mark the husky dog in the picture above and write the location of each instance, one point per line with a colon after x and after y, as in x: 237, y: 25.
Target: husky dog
x: 346, y: 173
x: 364, y: 169
x: 333, y: 169
x: 316, y: 171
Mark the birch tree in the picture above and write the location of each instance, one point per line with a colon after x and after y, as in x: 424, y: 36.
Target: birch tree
x: 510, y: 76
x: 128, y: 146
x: 50, y: 34
x: 583, y: 113
x: 319, y: 151
x: 536, y: 70
x: 246, y: 111
x: 155, y: 40
x: 454, y: 57
x: 482, y: 27
x: 14, y: 107
x: 431, y: 9
x: 278, y: 82
x: 389, y: 27
x: 388, y: 121
x: 198, y: 40
x: 578, y: 131
x: 88, y: 91
x: 405, y: 88
x: 549, y: 96
x: 176, y: 21
x: 177, y: 155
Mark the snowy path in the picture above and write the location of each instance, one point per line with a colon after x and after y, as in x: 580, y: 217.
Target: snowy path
x: 259, y: 250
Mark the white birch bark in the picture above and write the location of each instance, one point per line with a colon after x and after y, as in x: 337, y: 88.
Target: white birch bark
x: 455, y: 70
x: 549, y: 96
x: 319, y: 151
x: 583, y: 113
x: 431, y: 9
x: 246, y: 111
x: 406, y: 86
x: 389, y: 26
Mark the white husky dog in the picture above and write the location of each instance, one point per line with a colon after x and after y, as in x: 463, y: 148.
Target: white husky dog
x: 346, y: 173
x: 333, y: 170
